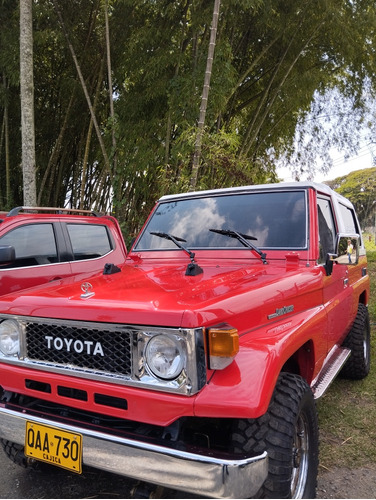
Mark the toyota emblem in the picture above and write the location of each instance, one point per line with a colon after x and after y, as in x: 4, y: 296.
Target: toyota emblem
x: 86, y: 288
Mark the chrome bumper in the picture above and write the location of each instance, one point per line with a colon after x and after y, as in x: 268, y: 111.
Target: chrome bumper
x: 193, y: 473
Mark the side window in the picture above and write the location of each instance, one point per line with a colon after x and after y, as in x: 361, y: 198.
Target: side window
x: 89, y: 240
x: 34, y: 244
x: 349, y: 220
x: 327, y: 230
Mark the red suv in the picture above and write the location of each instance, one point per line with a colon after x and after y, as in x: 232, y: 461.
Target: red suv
x: 36, y: 247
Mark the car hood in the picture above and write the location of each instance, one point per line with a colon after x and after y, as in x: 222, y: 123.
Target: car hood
x: 146, y: 294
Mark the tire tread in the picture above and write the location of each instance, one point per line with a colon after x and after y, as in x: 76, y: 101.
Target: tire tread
x: 357, y: 366
x: 274, y: 432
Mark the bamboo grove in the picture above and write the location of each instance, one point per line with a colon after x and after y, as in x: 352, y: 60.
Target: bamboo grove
x: 141, y: 66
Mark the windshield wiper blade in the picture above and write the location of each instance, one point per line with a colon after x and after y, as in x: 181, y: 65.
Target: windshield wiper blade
x: 193, y: 268
x: 244, y: 239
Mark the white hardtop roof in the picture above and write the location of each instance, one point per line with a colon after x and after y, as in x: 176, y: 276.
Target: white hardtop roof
x: 322, y: 188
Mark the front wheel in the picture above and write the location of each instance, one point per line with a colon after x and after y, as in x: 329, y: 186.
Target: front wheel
x: 289, y: 433
x: 15, y: 452
x: 359, y: 341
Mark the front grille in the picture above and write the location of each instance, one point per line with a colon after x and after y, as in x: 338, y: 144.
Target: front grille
x: 82, y: 348
x: 103, y: 352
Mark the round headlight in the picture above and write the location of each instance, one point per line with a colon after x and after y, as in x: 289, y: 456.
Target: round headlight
x: 10, y: 334
x: 165, y: 357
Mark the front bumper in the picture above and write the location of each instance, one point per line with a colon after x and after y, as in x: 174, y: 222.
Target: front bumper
x: 202, y: 475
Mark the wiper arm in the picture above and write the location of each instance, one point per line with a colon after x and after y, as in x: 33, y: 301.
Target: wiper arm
x: 244, y: 239
x: 193, y: 268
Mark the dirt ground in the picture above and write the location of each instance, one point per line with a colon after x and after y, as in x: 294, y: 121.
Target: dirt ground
x: 20, y: 483
x: 347, y: 483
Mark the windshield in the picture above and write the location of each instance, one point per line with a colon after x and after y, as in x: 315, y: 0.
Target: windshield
x: 274, y: 219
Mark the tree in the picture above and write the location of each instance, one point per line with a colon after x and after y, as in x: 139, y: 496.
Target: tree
x: 5, y: 140
x: 270, y: 59
x: 10, y: 143
x: 273, y: 64
x: 334, y: 120
x: 360, y: 188
x: 205, y: 96
x: 27, y: 102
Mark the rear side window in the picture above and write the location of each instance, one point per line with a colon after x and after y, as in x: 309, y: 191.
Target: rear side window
x: 89, y: 241
x: 349, y: 220
x: 34, y: 244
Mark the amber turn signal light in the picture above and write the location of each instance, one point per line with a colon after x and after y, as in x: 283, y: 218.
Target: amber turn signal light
x: 223, y: 346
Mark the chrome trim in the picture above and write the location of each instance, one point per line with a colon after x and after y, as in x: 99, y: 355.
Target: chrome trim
x: 180, y: 470
x: 6, y: 270
x: 91, y: 260
x: 332, y: 365
x: 87, y: 288
x: 62, y: 264
x: 190, y: 381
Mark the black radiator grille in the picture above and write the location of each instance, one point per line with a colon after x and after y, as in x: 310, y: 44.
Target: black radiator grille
x: 80, y: 347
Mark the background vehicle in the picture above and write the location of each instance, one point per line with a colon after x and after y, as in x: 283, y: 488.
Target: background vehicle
x: 38, y: 245
x: 197, y: 365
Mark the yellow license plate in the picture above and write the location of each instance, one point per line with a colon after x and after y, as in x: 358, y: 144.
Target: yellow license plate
x: 54, y: 445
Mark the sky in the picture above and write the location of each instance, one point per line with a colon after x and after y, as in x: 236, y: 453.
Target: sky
x: 341, y: 166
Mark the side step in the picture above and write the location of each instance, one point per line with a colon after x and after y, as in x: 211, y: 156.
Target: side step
x: 331, y: 367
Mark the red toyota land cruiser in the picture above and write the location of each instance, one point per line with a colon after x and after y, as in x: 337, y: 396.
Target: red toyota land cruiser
x: 197, y: 365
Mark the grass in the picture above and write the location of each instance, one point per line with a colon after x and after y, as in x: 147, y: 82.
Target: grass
x: 347, y: 412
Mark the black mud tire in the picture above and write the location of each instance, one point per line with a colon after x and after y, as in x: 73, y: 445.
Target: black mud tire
x: 359, y: 342
x: 15, y: 452
x: 289, y: 432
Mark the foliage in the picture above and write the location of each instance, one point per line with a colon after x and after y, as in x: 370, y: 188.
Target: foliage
x: 273, y: 60
x: 333, y: 120
x: 360, y: 188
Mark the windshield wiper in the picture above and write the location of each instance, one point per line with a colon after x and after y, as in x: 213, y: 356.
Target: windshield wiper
x: 244, y: 239
x: 193, y: 268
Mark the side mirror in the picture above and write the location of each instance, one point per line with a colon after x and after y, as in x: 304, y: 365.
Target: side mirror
x: 347, y: 252
x: 7, y: 255
x: 347, y: 249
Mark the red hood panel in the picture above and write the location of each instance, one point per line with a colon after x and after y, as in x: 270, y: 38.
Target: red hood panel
x: 144, y: 294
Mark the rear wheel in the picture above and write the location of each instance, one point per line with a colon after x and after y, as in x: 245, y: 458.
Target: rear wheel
x: 359, y: 341
x: 289, y: 433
